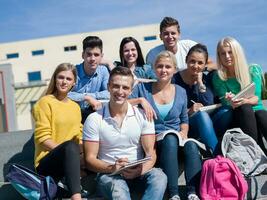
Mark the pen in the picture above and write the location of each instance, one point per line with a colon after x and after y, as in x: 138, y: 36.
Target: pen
x: 193, y: 101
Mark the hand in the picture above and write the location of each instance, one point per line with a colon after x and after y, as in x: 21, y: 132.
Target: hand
x: 238, y: 102
x: 149, y: 111
x: 183, y: 134
x: 194, y: 108
x: 199, y: 78
x: 96, y: 105
x: 132, y: 172
x: 229, y: 96
x: 121, y: 162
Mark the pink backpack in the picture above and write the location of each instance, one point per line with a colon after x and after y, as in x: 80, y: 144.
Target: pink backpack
x: 221, y: 179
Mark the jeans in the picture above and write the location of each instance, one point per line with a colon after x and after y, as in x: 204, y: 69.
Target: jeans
x: 63, y: 161
x: 201, y: 128
x: 168, y: 158
x: 222, y: 120
x: 116, y: 187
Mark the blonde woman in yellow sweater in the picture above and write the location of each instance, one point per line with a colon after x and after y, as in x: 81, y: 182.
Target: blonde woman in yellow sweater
x: 58, y: 131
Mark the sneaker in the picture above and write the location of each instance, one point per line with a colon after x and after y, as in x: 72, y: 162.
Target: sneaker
x: 175, y: 197
x: 192, y: 197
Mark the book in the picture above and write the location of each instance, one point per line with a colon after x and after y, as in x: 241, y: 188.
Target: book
x: 145, y: 80
x: 131, y: 164
x: 209, y: 109
x: 247, y: 92
x: 182, y: 141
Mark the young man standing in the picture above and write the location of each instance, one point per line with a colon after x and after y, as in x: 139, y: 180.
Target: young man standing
x: 117, y: 134
x: 170, y: 35
x: 92, y: 78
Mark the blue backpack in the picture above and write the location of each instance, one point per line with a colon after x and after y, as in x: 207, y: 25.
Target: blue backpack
x: 31, y: 185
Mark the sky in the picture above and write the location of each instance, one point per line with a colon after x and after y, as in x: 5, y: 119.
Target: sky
x: 205, y: 21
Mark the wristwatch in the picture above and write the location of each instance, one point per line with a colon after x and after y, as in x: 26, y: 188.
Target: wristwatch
x: 202, y: 88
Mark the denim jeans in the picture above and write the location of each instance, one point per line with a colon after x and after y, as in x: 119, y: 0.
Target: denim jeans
x: 222, y: 120
x: 116, y: 187
x: 207, y: 127
x: 201, y: 128
x: 168, y: 158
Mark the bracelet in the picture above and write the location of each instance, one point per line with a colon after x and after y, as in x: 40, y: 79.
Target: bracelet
x: 202, y: 88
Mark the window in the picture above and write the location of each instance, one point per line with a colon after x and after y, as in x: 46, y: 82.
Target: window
x: 12, y: 55
x: 70, y: 48
x: 34, y: 76
x: 151, y: 37
x: 37, y: 52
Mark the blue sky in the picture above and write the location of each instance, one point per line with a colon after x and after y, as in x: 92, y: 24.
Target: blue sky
x: 204, y: 21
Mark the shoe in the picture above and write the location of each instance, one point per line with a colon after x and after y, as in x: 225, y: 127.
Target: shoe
x: 192, y: 197
x: 175, y: 197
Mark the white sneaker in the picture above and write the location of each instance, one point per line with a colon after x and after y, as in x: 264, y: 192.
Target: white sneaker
x: 192, y: 197
x: 175, y: 197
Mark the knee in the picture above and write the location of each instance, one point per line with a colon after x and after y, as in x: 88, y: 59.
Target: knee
x: 170, y: 141
x: 71, y: 148
x: 261, y: 114
x: 190, y: 146
x: 158, y: 178
x: 244, y: 109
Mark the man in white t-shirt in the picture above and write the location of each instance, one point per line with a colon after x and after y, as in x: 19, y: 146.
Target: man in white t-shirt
x: 170, y: 35
x: 118, y: 134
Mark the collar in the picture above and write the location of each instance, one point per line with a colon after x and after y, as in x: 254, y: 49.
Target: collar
x: 106, y: 112
x: 83, y: 74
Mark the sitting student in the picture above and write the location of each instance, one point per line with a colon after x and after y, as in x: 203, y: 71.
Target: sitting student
x: 117, y: 134
x: 170, y: 35
x: 169, y: 101
x: 92, y: 78
x: 233, y: 75
x: 131, y: 56
x: 58, y: 131
x: 199, y: 94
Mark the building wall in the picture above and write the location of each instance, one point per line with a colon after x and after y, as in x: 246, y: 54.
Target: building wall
x: 54, y: 54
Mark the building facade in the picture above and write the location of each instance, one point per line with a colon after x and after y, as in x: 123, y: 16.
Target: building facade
x: 33, y: 61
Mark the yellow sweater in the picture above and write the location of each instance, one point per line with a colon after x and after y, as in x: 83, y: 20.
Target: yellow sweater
x: 56, y: 120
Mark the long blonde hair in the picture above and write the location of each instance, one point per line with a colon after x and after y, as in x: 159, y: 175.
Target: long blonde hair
x: 241, y: 66
x: 61, y: 67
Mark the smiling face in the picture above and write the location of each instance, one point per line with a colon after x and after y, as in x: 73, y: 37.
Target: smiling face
x: 196, y: 63
x: 164, y: 69
x: 120, y: 87
x: 92, y: 58
x: 170, y: 36
x: 130, y: 54
x: 64, y: 82
x: 226, y: 56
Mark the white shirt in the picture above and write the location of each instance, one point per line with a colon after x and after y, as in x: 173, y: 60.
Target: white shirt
x: 114, y: 141
x: 183, y: 47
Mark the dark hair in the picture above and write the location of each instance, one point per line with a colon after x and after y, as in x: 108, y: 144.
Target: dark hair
x: 167, y: 22
x: 140, y: 59
x: 122, y: 71
x: 92, y: 42
x: 200, y: 48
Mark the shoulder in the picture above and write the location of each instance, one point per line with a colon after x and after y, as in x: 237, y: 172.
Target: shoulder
x: 156, y: 50
x: 102, y: 69
x: 255, y: 69
x: 179, y: 89
x: 45, y: 100
x: 186, y: 43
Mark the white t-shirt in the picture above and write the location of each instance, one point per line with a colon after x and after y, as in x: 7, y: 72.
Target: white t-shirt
x: 183, y: 47
x: 117, y: 142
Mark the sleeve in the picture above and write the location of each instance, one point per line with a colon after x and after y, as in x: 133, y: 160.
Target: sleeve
x: 219, y: 88
x: 103, y: 94
x: 184, y: 114
x: 190, y: 43
x: 150, y: 74
x: 206, y: 98
x: 149, y: 58
x: 42, y: 116
x: 135, y: 93
x: 91, y: 128
x: 148, y: 127
x: 256, y: 76
x: 76, y: 96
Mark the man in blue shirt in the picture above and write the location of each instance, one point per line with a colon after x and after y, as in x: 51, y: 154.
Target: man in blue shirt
x: 92, y: 78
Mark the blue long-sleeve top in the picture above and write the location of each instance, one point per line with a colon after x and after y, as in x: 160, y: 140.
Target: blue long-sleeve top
x: 94, y: 85
x: 176, y: 116
x: 193, y: 93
